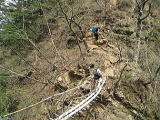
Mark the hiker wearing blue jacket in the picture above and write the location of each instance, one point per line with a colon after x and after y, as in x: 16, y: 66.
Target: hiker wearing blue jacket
x: 94, y: 30
x: 97, y: 75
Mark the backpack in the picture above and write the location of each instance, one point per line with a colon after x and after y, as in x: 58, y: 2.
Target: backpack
x: 94, y: 29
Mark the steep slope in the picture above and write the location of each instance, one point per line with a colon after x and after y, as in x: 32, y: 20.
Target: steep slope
x: 125, y: 95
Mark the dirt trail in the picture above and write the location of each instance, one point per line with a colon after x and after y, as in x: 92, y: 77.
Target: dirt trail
x: 111, y: 68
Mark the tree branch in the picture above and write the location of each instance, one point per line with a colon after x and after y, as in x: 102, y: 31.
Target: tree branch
x: 69, y: 24
x: 138, y: 4
x: 21, y: 75
x: 143, y: 4
x: 120, y: 77
x: 154, y: 78
x: 149, y: 11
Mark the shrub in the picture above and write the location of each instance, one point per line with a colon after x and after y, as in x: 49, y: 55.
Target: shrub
x: 8, y: 103
x: 124, y: 4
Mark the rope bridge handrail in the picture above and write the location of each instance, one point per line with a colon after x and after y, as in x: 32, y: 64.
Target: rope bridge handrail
x: 72, y: 111
x: 83, y: 103
x: 42, y: 101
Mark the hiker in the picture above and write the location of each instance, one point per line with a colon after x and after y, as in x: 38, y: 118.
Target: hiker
x: 94, y: 30
x: 97, y: 75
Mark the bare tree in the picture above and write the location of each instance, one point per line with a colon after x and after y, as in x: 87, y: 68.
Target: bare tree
x: 140, y: 5
x: 74, y: 17
x: 68, y: 20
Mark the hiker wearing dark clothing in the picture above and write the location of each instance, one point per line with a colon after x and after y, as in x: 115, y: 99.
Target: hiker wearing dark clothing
x: 96, y: 77
x: 96, y: 36
x: 94, y: 30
